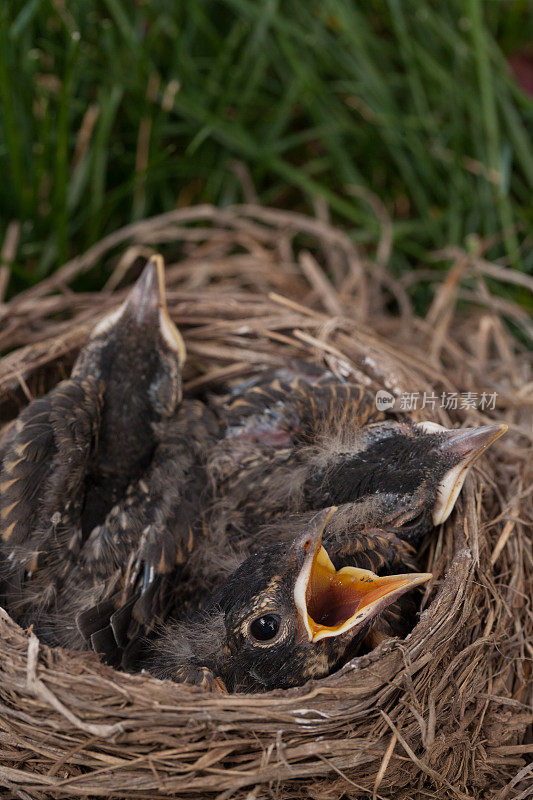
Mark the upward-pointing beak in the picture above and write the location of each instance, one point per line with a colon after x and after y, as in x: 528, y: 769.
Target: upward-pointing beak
x: 145, y: 299
x: 467, y: 444
x: 169, y: 331
x: 146, y: 306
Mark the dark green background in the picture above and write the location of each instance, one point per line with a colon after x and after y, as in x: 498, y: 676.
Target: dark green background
x: 412, y: 100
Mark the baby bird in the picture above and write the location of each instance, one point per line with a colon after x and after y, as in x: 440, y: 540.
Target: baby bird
x: 302, y: 439
x: 290, y: 612
x: 95, y: 471
x: 299, y: 442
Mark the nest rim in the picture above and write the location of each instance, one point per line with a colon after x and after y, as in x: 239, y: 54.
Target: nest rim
x: 407, y: 741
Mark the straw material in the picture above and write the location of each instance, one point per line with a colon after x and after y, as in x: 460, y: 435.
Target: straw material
x: 441, y: 714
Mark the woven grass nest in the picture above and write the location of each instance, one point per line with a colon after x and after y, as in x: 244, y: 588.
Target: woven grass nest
x: 440, y: 714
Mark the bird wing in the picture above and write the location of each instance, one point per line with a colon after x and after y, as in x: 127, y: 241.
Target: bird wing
x: 127, y: 567
x: 272, y: 390
x: 286, y: 408
x: 44, y: 463
x: 263, y: 464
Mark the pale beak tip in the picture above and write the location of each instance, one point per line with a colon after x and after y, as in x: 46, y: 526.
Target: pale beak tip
x: 145, y: 295
x: 156, y: 263
x: 328, y: 513
x: 496, y: 430
x: 467, y: 444
x: 422, y: 577
x: 155, y: 266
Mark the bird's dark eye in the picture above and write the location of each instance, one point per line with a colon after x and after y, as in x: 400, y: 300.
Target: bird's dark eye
x: 265, y: 628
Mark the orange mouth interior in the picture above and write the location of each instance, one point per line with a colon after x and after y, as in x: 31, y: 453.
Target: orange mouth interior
x: 333, y: 598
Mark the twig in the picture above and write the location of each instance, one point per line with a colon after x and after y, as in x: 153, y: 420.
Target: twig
x: 419, y: 763
x: 36, y: 687
x: 320, y: 283
x: 508, y: 528
x: 7, y: 256
x: 383, y: 766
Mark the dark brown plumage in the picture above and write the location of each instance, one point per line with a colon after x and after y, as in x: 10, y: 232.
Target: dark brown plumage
x: 293, y: 443
x: 99, y: 483
x: 301, y: 439
x: 287, y: 614
x: 125, y: 575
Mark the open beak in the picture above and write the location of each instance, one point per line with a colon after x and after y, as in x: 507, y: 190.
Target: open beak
x: 465, y: 444
x: 331, y: 602
x: 146, y: 305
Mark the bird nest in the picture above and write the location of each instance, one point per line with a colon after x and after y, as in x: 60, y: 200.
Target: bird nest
x: 441, y: 713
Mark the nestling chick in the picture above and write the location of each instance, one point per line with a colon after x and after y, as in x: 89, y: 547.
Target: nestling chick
x: 298, y: 442
x: 287, y: 614
x: 95, y: 471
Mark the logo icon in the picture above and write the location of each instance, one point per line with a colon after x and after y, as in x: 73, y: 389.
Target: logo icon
x: 384, y: 400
